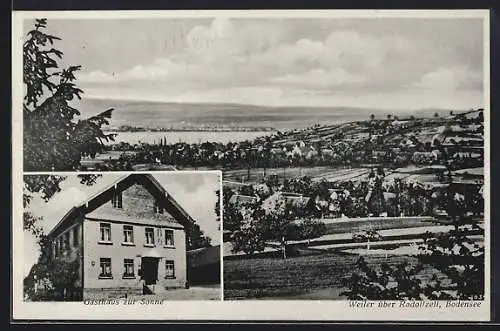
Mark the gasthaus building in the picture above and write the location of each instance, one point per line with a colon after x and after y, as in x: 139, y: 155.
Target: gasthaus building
x: 129, y: 239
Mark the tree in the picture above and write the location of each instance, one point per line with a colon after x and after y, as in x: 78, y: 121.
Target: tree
x: 299, y: 184
x: 59, y: 277
x: 389, y: 116
x: 53, y: 138
x: 436, y: 115
x: 480, y: 116
x: 45, y: 186
x: 278, y: 215
x: 376, y: 201
x: 384, y: 282
x: 247, y: 230
x: 372, y: 117
x: 196, y: 238
x: 457, y: 260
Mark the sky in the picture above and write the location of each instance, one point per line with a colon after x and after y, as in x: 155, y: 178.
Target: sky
x: 195, y: 192
x: 393, y: 63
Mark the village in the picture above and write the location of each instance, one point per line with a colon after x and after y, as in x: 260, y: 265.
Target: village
x: 390, y: 142
x: 398, y: 190
x: 375, y: 188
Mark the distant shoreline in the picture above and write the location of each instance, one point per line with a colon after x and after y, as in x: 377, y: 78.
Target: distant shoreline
x: 132, y: 129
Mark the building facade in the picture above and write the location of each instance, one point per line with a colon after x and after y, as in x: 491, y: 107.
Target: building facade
x: 129, y: 238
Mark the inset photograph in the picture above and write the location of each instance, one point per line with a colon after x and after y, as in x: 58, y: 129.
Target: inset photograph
x: 122, y: 235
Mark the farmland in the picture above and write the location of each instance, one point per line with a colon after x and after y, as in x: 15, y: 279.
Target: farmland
x: 318, y: 172
x: 311, y: 275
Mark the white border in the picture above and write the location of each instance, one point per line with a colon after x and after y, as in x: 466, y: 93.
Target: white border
x: 318, y: 310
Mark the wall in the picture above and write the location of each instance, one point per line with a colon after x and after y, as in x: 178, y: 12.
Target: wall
x: 137, y: 203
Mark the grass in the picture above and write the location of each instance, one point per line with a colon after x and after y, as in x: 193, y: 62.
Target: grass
x: 312, y: 275
x: 377, y: 224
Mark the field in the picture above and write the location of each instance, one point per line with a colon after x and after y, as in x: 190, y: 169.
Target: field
x: 312, y: 275
x: 332, y: 174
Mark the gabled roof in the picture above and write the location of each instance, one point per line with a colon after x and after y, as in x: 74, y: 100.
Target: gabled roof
x: 124, y: 182
x: 240, y: 199
x: 470, y: 171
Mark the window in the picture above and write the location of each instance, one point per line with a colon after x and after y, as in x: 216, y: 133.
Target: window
x: 117, y: 200
x: 128, y: 234
x: 119, y: 203
x: 105, y: 264
x: 169, y: 269
x: 150, y: 236
x: 105, y: 232
x: 169, y: 237
x: 56, y: 248
x: 76, y: 239
x: 129, y: 268
x: 66, y: 241
x: 157, y: 209
x: 60, y: 245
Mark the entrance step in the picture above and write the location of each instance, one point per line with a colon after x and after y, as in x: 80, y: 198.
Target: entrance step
x: 154, y: 289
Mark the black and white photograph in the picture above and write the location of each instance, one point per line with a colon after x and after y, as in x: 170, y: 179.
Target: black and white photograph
x: 347, y: 153
x: 134, y: 236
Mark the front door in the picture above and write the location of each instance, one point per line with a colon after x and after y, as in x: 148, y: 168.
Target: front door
x: 149, y: 269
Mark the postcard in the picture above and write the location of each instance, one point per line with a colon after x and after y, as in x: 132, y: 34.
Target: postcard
x: 251, y: 165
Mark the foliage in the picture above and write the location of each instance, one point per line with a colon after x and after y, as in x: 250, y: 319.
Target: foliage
x: 45, y: 186
x: 376, y: 202
x: 58, y: 278
x: 249, y: 233
x: 386, y: 282
x: 459, y: 258
x: 300, y: 184
x: 53, y: 138
x: 306, y: 229
x: 196, y: 238
x: 453, y: 255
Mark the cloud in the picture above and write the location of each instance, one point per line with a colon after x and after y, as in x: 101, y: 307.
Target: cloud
x: 196, y: 194
x: 449, y: 79
x: 320, y: 78
x: 255, y: 61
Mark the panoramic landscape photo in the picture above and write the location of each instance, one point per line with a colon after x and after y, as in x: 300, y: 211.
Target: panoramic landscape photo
x: 352, y: 149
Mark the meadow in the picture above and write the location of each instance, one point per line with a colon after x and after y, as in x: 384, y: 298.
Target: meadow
x: 312, y: 275
x: 317, y: 172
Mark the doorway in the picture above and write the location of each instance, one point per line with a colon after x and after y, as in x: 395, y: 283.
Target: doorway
x: 149, y: 270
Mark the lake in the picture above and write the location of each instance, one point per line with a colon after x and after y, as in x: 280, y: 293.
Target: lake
x: 190, y: 137
x: 148, y: 114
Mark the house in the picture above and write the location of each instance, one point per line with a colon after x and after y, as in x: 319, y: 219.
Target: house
x: 129, y: 239
x: 240, y: 199
x: 295, y: 199
x: 474, y: 176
